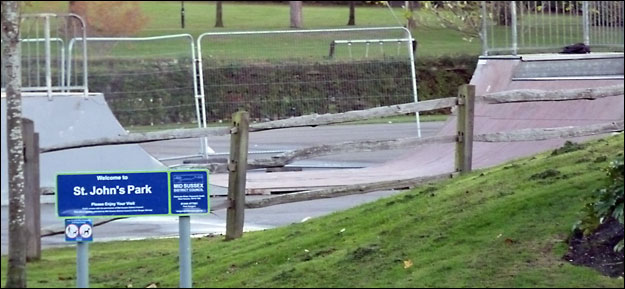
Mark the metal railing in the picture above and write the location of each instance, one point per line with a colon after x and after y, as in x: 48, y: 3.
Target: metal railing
x: 60, y: 67
x: 293, y: 48
x: 200, y: 109
x: 367, y: 43
x: 56, y: 28
x: 513, y: 27
x: 402, y: 54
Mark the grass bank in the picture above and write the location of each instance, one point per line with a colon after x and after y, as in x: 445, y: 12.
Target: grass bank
x: 501, y: 227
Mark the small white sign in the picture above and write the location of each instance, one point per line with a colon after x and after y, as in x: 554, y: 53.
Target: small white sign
x: 85, y: 231
x: 78, y: 230
x: 71, y: 231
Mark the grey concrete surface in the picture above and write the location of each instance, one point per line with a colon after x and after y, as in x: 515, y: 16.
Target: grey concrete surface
x: 295, y: 138
x: 73, y: 118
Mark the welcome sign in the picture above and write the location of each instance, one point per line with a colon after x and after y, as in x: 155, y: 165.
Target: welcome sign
x: 125, y: 194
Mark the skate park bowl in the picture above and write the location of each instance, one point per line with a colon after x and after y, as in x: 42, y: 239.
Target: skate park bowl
x: 73, y: 117
x: 547, y: 72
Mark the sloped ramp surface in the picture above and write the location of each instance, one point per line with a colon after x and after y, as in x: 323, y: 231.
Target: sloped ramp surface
x: 492, y: 75
x: 68, y: 118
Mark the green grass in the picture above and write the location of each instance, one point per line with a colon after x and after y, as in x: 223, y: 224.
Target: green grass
x: 434, y: 40
x: 499, y: 227
x: 164, y: 18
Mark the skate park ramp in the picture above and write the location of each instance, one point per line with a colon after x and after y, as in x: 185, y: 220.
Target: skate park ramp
x: 68, y: 118
x: 493, y: 74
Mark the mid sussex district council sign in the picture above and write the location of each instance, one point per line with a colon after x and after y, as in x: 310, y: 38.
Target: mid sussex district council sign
x: 132, y: 194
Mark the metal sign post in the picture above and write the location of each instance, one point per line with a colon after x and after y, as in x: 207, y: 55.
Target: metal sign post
x: 82, y: 265
x: 81, y: 232
x: 184, y: 232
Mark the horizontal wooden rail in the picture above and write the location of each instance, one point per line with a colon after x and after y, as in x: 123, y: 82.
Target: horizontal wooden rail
x: 307, y: 120
x: 355, y: 115
x: 528, y: 95
x: 325, y: 119
x: 518, y: 135
x: 346, y: 147
x: 536, y: 134
x: 344, y: 191
x: 135, y: 138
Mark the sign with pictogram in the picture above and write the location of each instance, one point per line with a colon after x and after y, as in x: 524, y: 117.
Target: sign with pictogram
x: 78, y: 230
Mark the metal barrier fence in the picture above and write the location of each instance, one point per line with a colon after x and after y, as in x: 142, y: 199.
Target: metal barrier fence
x: 281, y: 74
x: 43, y: 48
x: 117, y: 60
x: 273, y: 74
x: 512, y: 27
x: 146, y: 80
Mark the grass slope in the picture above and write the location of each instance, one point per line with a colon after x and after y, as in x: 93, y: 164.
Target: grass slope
x: 501, y: 227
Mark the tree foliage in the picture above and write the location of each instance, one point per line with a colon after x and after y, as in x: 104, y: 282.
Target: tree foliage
x: 110, y: 18
x: 462, y: 16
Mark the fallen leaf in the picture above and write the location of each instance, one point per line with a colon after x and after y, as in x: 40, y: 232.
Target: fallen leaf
x: 407, y: 264
x: 342, y: 230
x: 510, y: 241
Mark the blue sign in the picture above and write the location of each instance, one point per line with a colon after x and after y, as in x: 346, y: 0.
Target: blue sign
x: 132, y: 194
x: 78, y: 230
x: 189, y: 192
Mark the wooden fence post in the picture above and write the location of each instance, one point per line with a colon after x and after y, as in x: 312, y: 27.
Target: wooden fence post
x: 237, y: 168
x: 465, y: 117
x: 32, y: 190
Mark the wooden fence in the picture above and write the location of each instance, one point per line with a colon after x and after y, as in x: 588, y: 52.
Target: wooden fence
x: 464, y: 141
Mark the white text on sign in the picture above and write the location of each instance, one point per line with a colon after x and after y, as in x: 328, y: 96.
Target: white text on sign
x: 117, y: 190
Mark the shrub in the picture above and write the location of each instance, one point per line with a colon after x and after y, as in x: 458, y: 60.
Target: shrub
x: 606, y: 204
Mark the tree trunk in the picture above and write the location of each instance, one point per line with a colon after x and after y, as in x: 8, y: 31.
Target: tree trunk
x: 73, y: 7
x: 218, y: 17
x: 16, y: 271
x: 352, y: 14
x: 410, y: 7
x: 74, y: 28
x: 503, y: 15
x: 296, y: 14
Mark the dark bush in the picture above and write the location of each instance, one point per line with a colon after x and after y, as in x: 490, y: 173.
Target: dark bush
x: 142, y: 92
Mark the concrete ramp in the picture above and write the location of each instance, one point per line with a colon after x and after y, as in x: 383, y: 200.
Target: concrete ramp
x: 72, y: 117
x: 491, y: 75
